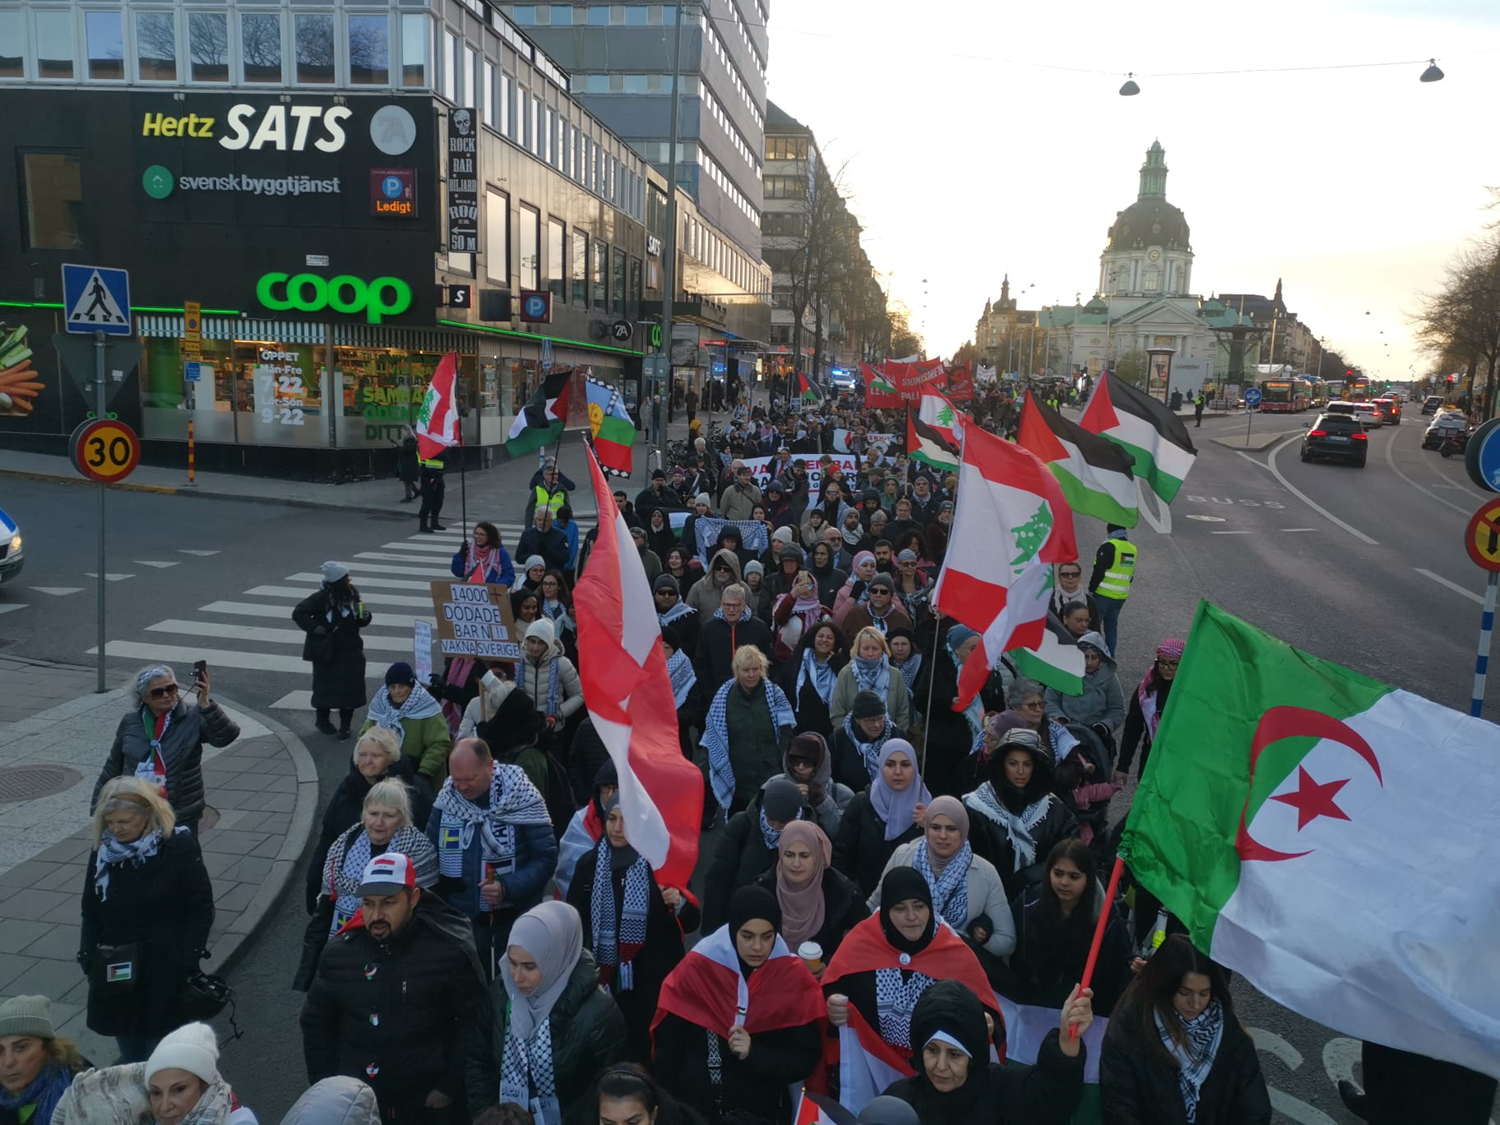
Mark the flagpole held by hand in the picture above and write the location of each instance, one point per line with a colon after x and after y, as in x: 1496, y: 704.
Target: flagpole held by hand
x: 937, y: 625
x: 1109, y: 903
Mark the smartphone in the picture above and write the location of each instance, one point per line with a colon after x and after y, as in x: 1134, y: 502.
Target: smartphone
x: 199, y: 668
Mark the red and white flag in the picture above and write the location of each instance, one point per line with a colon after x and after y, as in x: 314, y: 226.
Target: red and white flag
x: 628, y: 693
x: 437, y: 423
x: 1011, y: 523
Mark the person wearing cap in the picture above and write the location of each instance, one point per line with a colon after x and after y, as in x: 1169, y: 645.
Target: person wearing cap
x: 856, y: 538
x: 779, y: 508
x: 869, y: 669
x: 406, y: 709
x: 160, y: 740
x: 939, y: 530
x: 36, y: 1067
x: 924, y: 500
x: 747, y: 849
x: 147, y: 909
x: 543, y: 537
x: 956, y: 1081
x: 548, y: 495
x: 859, y: 738
x: 723, y: 570
x: 399, y: 1000
x: 702, y: 510
x: 1114, y: 571
x: 906, y: 658
x: 672, y: 610
x: 657, y: 494
x: 1015, y: 815
x: 332, y: 617
x: 880, y: 610
x: 529, y: 576
x: 549, y: 465
x: 1147, y: 706
x: 433, y: 487
x: 739, y: 498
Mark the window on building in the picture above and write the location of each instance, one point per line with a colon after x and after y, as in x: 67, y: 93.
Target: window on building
x: 54, y: 199
x: 155, y: 46
x: 524, y: 15
x: 601, y: 275
x: 530, y: 245
x: 634, y: 310
x: 416, y: 56
x: 12, y: 63
x: 317, y: 50
x: 533, y: 125
x: 507, y: 101
x: 208, y: 46
x: 599, y: 15
x: 471, y: 78
x: 54, y: 44
x: 446, y: 56
x: 545, y: 119
x: 369, y: 51
x: 617, y: 284
x: 489, y: 93
x: 637, y: 15
x: 260, y: 47
x: 556, y: 263
x: 496, y: 236
x: 103, y: 38
x: 562, y: 15
x: 580, y: 271
x: 634, y: 83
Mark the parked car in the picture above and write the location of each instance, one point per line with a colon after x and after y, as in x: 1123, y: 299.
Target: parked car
x: 11, y: 559
x: 1433, y: 403
x: 1336, y: 437
x: 1445, y: 424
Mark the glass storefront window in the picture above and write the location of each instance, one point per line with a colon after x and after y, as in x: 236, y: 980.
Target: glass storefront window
x: 496, y: 244
x: 315, y: 49
x: 104, y: 35
x: 369, y: 51
x: 54, y: 199
x: 260, y: 47
x: 580, y: 268
x: 208, y: 46
x: 601, y: 275
x: 54, y: 44
x: 156, y: 46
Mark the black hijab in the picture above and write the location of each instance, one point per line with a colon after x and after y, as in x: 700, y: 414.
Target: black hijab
x: 900, y: 884
x: 1017, y: 800
x: 747, y: 904
x: 950, y: 1008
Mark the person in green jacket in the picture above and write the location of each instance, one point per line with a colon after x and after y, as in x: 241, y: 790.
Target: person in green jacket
x: 405, y: 707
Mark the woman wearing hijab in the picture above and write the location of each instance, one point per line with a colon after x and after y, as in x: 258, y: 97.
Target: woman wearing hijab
x: 36, y: 1067
x: 955, y: 1080
x: 1016, y: 817
x: 796, y: 612
x: 808, y: 765
x: 977, y: 770
x: 881, y: 970
x: 632, y: 925
x: 554, y: 1027
x: 332, y: 617
x: 659, y: 534
x: 967, y: 891
x: 859, y: 739
x: 869, y: 669
x: 818, y: 903
x: 405, y: 708
x: 1147, y: 706
x: 951, y: 734
x: 823, y: 565
x: 856, y: 591
x: 883, y: 817
x: 739, y: 1019
x: 485, y: 554
x: 807, y: 679
x: 749, y: 846
x: 1175, y: 1054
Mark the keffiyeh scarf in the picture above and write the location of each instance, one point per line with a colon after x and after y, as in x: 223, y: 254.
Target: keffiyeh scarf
x: 680, y: 668
x: 772, y: 836
x: 419, y: 705
x: 527, y: 1065
x: 1204, y: 1032
x: 716, y: 734
x: 112, y: 853
x: 820, y: 672
x: 615, y: 943
x: 1018, y: 826
x: 345, y: 866
x: 677, y: 612
x: 872, y: 675
x: 974, y: 712
x: 869, y: 751
x: 513, y: 800
x: 950, y: 890
x: 895, y: 1000
x: 909, y: 671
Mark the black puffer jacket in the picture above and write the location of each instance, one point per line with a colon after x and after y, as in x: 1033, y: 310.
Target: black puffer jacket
x: 588, y: 1035
x: 861, y: 850
x: 164, y: 905
x: 401, y: 1016
x: 181, y: 749
x: 740, y: 858
x: 346, y: 809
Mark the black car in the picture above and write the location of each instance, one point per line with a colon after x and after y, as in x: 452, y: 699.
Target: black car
x: 1433, y: 404
x: 1338, y: 437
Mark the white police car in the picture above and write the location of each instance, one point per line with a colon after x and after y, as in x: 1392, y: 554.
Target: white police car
x: 11, y: 559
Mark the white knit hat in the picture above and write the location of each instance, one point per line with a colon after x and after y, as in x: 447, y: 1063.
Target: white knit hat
x: 192, y: 1047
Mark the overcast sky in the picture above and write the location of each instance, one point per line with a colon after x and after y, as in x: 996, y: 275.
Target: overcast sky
x: 972, y: 149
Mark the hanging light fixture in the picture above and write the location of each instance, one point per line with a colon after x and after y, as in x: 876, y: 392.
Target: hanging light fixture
x: 1432, y: 73
x: 1130, y: 89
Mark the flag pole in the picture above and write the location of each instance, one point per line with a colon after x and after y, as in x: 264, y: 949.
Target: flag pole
x: 937, y: 625
x: 463, y: 484
x: 1099, y: 927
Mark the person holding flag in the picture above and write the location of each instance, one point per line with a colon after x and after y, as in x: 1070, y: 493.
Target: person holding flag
x: 438, y: 428
x: 484, y: 558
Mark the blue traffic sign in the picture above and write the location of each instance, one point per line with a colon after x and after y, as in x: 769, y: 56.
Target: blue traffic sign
x: 1252, y: 396
x: 536, y: 306
x: 97, y: 299
x: 192, y: 371
x: 1482, y: 456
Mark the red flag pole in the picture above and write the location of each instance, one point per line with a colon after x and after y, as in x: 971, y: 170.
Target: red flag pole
x: 1109, y: 903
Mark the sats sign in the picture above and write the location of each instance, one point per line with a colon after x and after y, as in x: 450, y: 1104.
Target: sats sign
x: 285, y: 128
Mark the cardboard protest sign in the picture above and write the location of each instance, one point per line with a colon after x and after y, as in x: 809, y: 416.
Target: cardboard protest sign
x: 475, y: 620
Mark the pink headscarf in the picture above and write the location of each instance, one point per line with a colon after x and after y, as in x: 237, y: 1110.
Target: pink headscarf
x: 802, y: 906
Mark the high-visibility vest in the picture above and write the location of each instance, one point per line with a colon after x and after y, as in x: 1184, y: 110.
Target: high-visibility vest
x: 551, y: 503
x: 1116, y: 581
x: 435, y: 463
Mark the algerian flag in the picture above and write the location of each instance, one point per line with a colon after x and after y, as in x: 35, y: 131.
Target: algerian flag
x: 1148, y: 430
x: 1330, y: 838
x: 1093, y: 471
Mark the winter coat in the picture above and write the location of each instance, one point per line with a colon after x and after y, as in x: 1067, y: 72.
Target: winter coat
x: 1041, y: 976
x: 754, y: 1089
x: 737, y: 503
x: 857, y: 616
x: 1136, y: 732
x: 1044, y: 1094
x: 181, y: 750
x: 948, y: 770
x: 536, y: 859
x: 118, y: 1095
x: 843, y: 908
x: 986, y: 896
x: 829, y: 812
x: 346, y: 809
x: 585, y: 757
x: 811, y: 711
x: 165, y: 907
x: 740, y: 857
x: 503, y: 574
x: 552, y: 546
x: 897, y: 699
x: 588, y: 1035
x: 1138, y: 1085
x: 534, y: 677
x: 992, y: 841
x: 337, y: 654
x: 861, y: 850
x: 427, y: 743
x: 335, y: 1101
x: 705, y: 594
x: 402, y: 1016
x: 1100, y: 704
x: 717, y: 642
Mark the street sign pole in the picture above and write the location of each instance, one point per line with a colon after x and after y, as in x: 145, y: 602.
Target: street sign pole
x: 1486, y: 631
x: 101, y: 352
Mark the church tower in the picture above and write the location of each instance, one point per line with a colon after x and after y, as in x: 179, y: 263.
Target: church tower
x: 1148, y: 253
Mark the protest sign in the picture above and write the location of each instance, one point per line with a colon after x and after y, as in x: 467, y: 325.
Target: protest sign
x: 475, y: 620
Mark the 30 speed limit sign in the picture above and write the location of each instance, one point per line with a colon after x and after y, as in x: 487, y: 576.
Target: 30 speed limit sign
x: 105, y: 450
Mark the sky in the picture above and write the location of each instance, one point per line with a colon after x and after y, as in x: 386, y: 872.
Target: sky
x: 979, y: 138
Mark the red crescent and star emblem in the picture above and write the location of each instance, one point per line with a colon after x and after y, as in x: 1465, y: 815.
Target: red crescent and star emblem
x: 1312, y: 799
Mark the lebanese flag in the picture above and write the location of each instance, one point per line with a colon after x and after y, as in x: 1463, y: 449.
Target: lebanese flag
x: 628, y: 692
x: 1328, y: 837
x: 867, y: 1063
x: 880, y: 392
x: 438, y: 424
x: 1010, y: 525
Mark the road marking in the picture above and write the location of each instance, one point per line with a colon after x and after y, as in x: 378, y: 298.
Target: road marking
x: 425, y: 548
x: 252, y: 609
x: 372, y: 599
x: 1454, y: 586
x: 1208, y: 519
x: 1297, y: 1109
x: 381, y: 568
x: 108, y: 577
x: 7, y: 607
x: 1390, y: 459
x: 294, y: 701
x: 157, y: 565
x: 1252, y: 460
x: 391, y: 556
x: 1274, y: 1044
x: 238, y: 632
x: 200, y: 554
x: 1231, y: 533
x: 1289, y: 530
x: 217, y: 658
x: 57, y: 591
x: 373, y: 583
x: 1340, y: 1057
x: 1313, y: 504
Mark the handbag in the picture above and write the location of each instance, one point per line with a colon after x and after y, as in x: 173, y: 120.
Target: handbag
x: 203, y: 997
x: 116, y: 968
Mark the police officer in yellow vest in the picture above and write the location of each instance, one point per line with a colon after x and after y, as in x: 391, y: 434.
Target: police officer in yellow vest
x: 549, y: 494
x: 1114, y: 568
x: 431, y: 472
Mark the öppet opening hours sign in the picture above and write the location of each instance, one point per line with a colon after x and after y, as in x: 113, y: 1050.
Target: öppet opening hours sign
x: 475, y: 620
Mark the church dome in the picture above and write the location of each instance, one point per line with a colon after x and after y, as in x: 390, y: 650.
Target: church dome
x: 1150, y: 220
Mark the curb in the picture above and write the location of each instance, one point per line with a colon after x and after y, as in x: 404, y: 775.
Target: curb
x: 257, y: 915
x: 55, y: 478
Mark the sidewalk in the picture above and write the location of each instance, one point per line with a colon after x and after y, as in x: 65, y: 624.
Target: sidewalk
x: 262, y: 795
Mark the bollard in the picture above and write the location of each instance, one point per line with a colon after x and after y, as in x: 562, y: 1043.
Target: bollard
x: 191, y: 456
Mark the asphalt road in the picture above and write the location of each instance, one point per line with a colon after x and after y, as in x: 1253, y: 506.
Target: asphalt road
x: 1363, y: 567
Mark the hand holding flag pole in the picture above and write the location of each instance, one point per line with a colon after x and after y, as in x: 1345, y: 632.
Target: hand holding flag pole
x: 1109, y: 903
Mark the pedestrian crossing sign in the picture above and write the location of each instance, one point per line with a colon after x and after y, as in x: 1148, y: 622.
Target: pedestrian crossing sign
x: 97, y: 299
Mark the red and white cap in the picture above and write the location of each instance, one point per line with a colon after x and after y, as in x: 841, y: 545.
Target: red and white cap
x: 386, y: 874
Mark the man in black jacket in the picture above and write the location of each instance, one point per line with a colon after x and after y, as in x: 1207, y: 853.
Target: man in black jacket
x: 545, y: 539
x: 399, y: 998
x: 721, y: 635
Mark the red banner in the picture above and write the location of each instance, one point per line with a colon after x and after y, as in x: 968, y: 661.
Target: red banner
x: 911, y: 379
x: 961, y: 383
x: 880, y: 392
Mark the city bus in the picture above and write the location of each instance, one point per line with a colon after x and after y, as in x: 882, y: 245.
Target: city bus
x: 1284, y: 396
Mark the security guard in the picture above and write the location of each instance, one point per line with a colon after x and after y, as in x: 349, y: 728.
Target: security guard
x: 1198, y: 410
x: 432, y: 491
x: 1114, y: 568
x: 550, y: 494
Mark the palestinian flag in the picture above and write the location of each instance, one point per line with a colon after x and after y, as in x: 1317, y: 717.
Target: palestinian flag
x: 809, y: 392
x: 610, y: 426
x: 541, y: 420
x: 929, y: 444
x: 1093, y: 471
x: 880, y: 392
x: 1326, y: 836
x: 1150, y: 433
x: 1052, y: 663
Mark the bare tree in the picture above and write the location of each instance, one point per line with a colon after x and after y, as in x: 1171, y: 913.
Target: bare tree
x: 208, y: 38
x: 156, y: 37
x: 904, y: 341
x: 315, y: 45
x: 1463, y: 317
x: 260, y: 40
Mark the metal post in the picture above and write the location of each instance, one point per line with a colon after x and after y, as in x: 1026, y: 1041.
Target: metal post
x: 101, y: 360
x: 669, y: 251
x: 1486, y: 630
x: 1249, y: 413
x: 192, y: 482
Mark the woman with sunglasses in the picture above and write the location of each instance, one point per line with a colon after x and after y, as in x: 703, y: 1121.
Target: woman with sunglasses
x: 160, y: 740
x: 1147, y: 706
